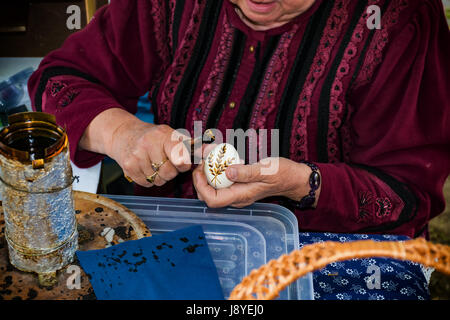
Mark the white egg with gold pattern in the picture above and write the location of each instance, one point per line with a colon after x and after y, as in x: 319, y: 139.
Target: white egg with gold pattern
x: 216, y: 163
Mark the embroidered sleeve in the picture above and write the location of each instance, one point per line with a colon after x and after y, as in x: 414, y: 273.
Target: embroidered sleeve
x: 378, y: 203
x: 64, y: 96
x: 113, y: 61
x: 399, y: 158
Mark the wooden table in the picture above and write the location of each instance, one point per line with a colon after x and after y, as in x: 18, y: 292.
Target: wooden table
x: 99, y: 220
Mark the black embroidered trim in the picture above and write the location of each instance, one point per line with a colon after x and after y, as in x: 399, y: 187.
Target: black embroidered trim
x: 299, y: 72
x: 365, y: 199
x: 245, y: 104
x: 178, y: 14
x: 361, y: 59
x: 410, y: 200
x: 168, y: 14
x: 56, y: 87
x: 188, y: 83
x: 251, y: 92
x: 355, y: 75
x: 324, y: 101
x: 383, y: 207
x: 364, y: 50
x: 68, y: 97
x: 237, y: 52
x: 53, y: 72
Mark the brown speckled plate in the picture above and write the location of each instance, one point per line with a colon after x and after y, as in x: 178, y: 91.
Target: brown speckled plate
x: 94, y: 215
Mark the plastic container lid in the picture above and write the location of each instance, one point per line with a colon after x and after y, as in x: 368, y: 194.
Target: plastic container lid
x: 240, y: 240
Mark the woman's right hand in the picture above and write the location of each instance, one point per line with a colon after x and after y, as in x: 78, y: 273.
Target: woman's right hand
x: 136, y: 145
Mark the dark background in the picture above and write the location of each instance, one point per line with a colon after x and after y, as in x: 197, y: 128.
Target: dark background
x: 34, y: 28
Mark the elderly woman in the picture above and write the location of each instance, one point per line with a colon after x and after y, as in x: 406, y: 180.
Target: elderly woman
x: 362, y: 109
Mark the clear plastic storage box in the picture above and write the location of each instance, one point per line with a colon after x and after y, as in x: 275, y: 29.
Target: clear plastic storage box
x: 240, y: 240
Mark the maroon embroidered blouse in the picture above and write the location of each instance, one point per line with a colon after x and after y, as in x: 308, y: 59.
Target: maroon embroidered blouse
x: 371, y: 107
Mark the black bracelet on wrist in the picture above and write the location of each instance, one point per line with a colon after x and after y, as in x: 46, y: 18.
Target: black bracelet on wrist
x: 314, y: 183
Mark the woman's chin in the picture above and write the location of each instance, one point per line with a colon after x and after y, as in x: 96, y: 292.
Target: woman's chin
x: 261, y: 21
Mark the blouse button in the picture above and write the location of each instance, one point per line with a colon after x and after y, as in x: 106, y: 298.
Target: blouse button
x: 232, y: 105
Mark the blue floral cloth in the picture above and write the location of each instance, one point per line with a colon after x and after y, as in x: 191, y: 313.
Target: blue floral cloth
x: 367, y: 279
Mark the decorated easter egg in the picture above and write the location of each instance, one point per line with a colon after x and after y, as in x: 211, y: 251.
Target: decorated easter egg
x: 217, y: 161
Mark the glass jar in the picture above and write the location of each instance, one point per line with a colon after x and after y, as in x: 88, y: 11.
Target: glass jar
x: 36, y: 188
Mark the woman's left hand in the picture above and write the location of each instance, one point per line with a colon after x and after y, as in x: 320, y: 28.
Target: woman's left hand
x: 267, y: 178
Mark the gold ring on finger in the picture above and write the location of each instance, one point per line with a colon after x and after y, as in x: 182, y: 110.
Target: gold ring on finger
x: 156, y: 166
x: 152, y: 178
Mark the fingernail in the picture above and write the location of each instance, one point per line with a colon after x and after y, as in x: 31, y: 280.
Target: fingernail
x: 232, y: 173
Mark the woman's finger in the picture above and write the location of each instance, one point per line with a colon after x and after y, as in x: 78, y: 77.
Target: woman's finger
x: 244, y: 173
x: 214, y: 198
x: 158, y: 162
x: 166, y: 172
x: 201, y: 184
x: 143, y: 161
x: 177, y: 152
x: 132, y: 170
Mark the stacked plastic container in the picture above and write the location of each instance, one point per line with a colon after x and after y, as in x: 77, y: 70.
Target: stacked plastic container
x: 240, y: 240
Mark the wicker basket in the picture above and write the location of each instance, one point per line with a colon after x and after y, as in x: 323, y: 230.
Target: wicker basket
x: 269, y: 280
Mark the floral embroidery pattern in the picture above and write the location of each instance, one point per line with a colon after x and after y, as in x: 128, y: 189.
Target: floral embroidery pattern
x: 335, y: 23
x: 179, y: 64
x: 159, y: 18
x: 347, y: 280
x: 365, y: 204
x: 368, y: 206
x: 265, y: 101
x: 336, y: 100
x: 372, y: 59
x: 215, y: 79
x: 383, y: 207
x: 68, y: 97
x: 172, y: 4
x: 379, y: 42
x: 56, y: 87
